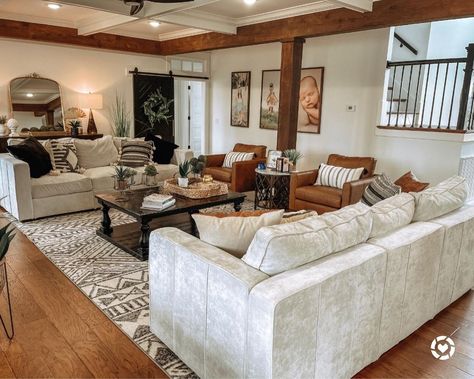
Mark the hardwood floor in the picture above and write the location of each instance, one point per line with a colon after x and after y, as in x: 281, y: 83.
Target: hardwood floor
x: 61, y: 334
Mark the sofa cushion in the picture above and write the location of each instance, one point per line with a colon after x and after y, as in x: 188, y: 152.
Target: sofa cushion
x: 136, y: 153
x: 232, y: 157
x: 101, y: 178
x: 65, y: 156
x: 440, y: 199
x: 329, y: 196
x: 260, y: 151
x: 164, y: 150
x: 64, y: 184
x: 234, y: 232
x: 350, y: 225
x: 220, y: 173
x: 391, y: 214
x: 380, y: 189
x: 336, y: 177
x: 34, y: 154
x: 409, y: 183
x: 96, y: 153
x: 367, y: 163
x: 282, y: 247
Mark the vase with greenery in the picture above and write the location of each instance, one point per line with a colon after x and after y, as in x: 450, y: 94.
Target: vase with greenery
x: 184, y: 170
x: 123, y: 180
x: 293, y: 156
x: 6, y: 236
x: 75, y: 125
x: 157, y: 109
x: 150, y: 175
x: 120, y: 117
x: 198, y: 165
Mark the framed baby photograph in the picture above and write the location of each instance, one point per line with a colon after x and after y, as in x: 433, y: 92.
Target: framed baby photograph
x: 310, y: 100
x: 270, y: 99
x: 240, y: 103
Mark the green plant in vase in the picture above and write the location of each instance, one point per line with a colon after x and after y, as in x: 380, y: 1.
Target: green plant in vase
x: 293, y: 156
x: 184, y: 170
x: 150, y: 174
x: 75, y: 125
x: 198, y: 165
x: 6, y: 237
x: 123, y: 180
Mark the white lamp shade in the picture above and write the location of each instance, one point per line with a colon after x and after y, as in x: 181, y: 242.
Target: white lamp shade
x: 90, y: 101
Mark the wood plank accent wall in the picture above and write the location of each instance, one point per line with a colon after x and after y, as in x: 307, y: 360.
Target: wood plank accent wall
x: 291, y: 59
x: 68, y: 36
x: 386, y: 13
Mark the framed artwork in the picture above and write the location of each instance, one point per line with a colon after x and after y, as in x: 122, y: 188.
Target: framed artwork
x: 270, y: 99
x: 240, y: 104
x: 311, y: 100
x: 272, y: 158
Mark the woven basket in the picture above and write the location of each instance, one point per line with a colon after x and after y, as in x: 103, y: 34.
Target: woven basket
x: 196, y: 189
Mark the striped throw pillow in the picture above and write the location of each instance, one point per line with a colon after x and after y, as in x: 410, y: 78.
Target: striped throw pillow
x: 136, y: 153
x: 332, y: 176
x: 380, y: 189
x: 232, y: 157
x: 64, y: 156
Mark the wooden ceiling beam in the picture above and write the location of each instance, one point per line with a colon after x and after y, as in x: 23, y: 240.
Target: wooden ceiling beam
x: 69, y: 36
x: 385, y: 13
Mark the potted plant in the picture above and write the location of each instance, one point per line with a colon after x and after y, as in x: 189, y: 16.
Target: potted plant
x: 3, y: 128
x: 198, y: 165
x: 293, y: 156
x: 75, y: 125
x: 6, y: 237
x: 123, y: 176
x: 184, y: 169
x: 150, y: 174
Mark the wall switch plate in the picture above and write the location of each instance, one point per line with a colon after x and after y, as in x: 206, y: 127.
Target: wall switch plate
x: 350, y: 108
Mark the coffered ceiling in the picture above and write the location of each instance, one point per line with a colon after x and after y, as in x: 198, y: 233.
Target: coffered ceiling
x: 176, y: 19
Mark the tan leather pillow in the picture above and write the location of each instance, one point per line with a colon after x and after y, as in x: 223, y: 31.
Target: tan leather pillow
x: 409, y: 183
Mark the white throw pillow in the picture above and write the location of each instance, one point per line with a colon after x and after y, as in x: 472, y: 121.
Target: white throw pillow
x: 443, y: 198
x: 332, y: 176
x: 283, y: 247
x: 392, y: 213
x: 233, y: 234
x: 350, y: 225
x: 233, y: 157
x: 96, y: 153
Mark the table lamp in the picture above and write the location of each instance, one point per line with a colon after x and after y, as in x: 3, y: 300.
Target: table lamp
x: 91, y: 101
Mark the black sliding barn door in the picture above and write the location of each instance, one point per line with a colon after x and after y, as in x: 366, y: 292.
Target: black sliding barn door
x: 153, y: 98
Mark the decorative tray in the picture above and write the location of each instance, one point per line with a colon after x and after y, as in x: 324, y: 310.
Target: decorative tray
x: 196, y: 189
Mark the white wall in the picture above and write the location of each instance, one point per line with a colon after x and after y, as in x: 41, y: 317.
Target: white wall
x: 76, y: 70
x: 449, y: 39
x: 354, y: 75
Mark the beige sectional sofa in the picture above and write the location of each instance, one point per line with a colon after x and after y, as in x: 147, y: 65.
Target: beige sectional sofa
x: 27, y: 198
x: 318, y: 298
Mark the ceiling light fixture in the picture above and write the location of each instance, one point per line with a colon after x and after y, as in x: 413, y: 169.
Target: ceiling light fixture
x: 154, y: 23
x: 29, y: 95
x: 250, y: 2
x: 54, y: 6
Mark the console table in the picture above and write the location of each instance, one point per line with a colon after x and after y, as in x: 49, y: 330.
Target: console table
x: 43, y: 136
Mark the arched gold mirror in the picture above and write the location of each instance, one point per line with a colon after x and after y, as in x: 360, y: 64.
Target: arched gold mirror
x: 36, y: 104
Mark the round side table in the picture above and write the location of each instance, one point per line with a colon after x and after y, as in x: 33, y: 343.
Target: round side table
x: 272, y: 189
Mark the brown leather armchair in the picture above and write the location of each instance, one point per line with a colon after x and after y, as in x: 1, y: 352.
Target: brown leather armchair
x: 241, y: 177
x: 305, y: 195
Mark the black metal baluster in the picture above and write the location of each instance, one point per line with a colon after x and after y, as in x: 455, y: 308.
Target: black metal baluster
x: 454, y: 93
x: 408, y: 96
x: 426, y: 93
x: 471, y: 113
x: 400, y: 95
x: 442, y: 98
x: 391, y: 98
x: 416, y: 95
x: 434, y: 96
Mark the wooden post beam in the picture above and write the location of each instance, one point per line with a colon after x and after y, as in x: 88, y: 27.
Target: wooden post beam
x: 291, y: 60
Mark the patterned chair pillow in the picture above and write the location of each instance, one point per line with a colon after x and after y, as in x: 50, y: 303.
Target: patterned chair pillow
x: 380, y: 189
x: 233, y: 157
x: 332, y: 176
x: 64, y: 156
x: 136, y: 153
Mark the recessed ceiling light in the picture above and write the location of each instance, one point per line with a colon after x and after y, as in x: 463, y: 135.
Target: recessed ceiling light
x: 54, y: 6
x: 29, y: 95
x: 154, y: 23
x: 250, y: 2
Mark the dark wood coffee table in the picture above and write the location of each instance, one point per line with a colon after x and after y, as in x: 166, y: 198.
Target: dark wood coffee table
x: 134, y: 237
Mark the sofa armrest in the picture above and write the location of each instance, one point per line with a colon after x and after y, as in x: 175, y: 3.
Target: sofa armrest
x: 198, y: 301
x: 16, y: 186
x: 216, y: 160
x: 181, y: 155
x: 243, y: 174
x: 352, y: 191
x: 301, y: 179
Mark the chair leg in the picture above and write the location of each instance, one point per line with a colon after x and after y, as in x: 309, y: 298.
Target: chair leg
x: 12, y: 334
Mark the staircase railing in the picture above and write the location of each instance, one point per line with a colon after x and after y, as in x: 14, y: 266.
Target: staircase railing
x: 434, y: 94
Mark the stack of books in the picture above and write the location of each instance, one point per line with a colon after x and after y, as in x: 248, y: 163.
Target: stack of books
x: 158, y: 202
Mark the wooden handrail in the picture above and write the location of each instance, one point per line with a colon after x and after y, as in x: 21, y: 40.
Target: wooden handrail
x: 425, y: 62
x: 404, y: 43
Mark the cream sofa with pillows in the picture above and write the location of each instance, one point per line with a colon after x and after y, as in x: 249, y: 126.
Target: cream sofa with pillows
x: 28, y: 198
x: 318, y: 298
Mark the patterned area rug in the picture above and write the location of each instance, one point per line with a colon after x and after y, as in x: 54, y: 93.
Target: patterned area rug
x: 115, y: 281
